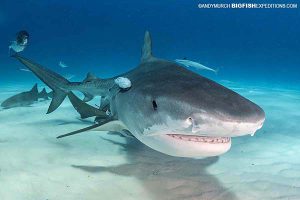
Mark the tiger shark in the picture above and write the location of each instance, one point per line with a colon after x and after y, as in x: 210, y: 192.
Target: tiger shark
x: 168, y: 107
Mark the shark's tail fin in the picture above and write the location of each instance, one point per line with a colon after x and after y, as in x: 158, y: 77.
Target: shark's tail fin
x: 55, y: 81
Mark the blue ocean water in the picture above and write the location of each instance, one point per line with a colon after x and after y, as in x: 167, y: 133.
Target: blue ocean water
x: 256, y: 52
x: 259, y: 46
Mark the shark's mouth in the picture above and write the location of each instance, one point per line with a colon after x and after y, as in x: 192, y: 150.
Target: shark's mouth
x: 205, y: 139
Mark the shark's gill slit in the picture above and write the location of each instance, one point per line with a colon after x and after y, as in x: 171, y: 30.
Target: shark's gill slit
x: 154, y: 104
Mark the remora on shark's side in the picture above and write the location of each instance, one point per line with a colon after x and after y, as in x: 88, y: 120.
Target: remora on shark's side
x: 168, y: 108
x: 26, y: 98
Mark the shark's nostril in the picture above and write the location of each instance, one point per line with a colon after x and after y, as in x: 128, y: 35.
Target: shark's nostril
x: 189, y: 121
x: 192, y: 123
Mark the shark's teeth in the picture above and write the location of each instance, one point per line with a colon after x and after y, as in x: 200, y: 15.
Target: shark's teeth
x: 205, y: 139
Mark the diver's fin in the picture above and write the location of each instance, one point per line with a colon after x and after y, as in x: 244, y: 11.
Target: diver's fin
x: 147, y: 48
x: 57, y: 99
x: 89, y: 77
x: 108, y: 125
x: 87, y: 97
x: 85, y: 110
x: 34, y: 88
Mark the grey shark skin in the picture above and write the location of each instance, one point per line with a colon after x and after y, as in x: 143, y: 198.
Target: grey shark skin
x: 168, y: 108
x: 25, y: 98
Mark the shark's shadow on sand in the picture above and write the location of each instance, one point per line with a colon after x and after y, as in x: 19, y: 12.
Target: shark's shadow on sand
x: 166, y: 177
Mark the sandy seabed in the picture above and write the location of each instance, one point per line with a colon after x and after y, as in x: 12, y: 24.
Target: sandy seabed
x: 34, y: 165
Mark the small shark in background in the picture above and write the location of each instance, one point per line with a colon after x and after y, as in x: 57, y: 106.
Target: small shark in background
x: 167, y: 107
x: 67, y: 76
x: 62, y: 65
x: 24, y: 70
x: 189, y: 63
x: 26, y: 98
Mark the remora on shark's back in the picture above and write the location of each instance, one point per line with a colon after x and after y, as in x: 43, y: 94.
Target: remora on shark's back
x: 168, y: 108
x: 196, y: 65
x: 62, y: 65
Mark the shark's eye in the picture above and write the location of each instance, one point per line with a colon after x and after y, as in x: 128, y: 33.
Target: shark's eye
x: 154, y: 104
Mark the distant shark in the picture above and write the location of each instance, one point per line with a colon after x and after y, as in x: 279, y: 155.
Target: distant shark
x: 62, y: 65
x: 26, y: 98
x: 189, y: 63
x: 168, y: 107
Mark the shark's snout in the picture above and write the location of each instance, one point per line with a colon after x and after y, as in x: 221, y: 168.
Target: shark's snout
x: 239, y: 109
x: 241, y: 118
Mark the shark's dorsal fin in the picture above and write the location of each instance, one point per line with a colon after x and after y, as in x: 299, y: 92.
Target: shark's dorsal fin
x: 147, y: 48
x: 34, y: 88
x: 89, y: 77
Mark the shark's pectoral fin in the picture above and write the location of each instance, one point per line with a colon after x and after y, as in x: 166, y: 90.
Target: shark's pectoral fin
x: 108, y: 125
x: 115, y: 125
x: 85, y: 110
x: 79, y: 131
x: 58, y: 98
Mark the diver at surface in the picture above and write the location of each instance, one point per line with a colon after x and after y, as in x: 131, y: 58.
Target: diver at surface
x: 21, y: 41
